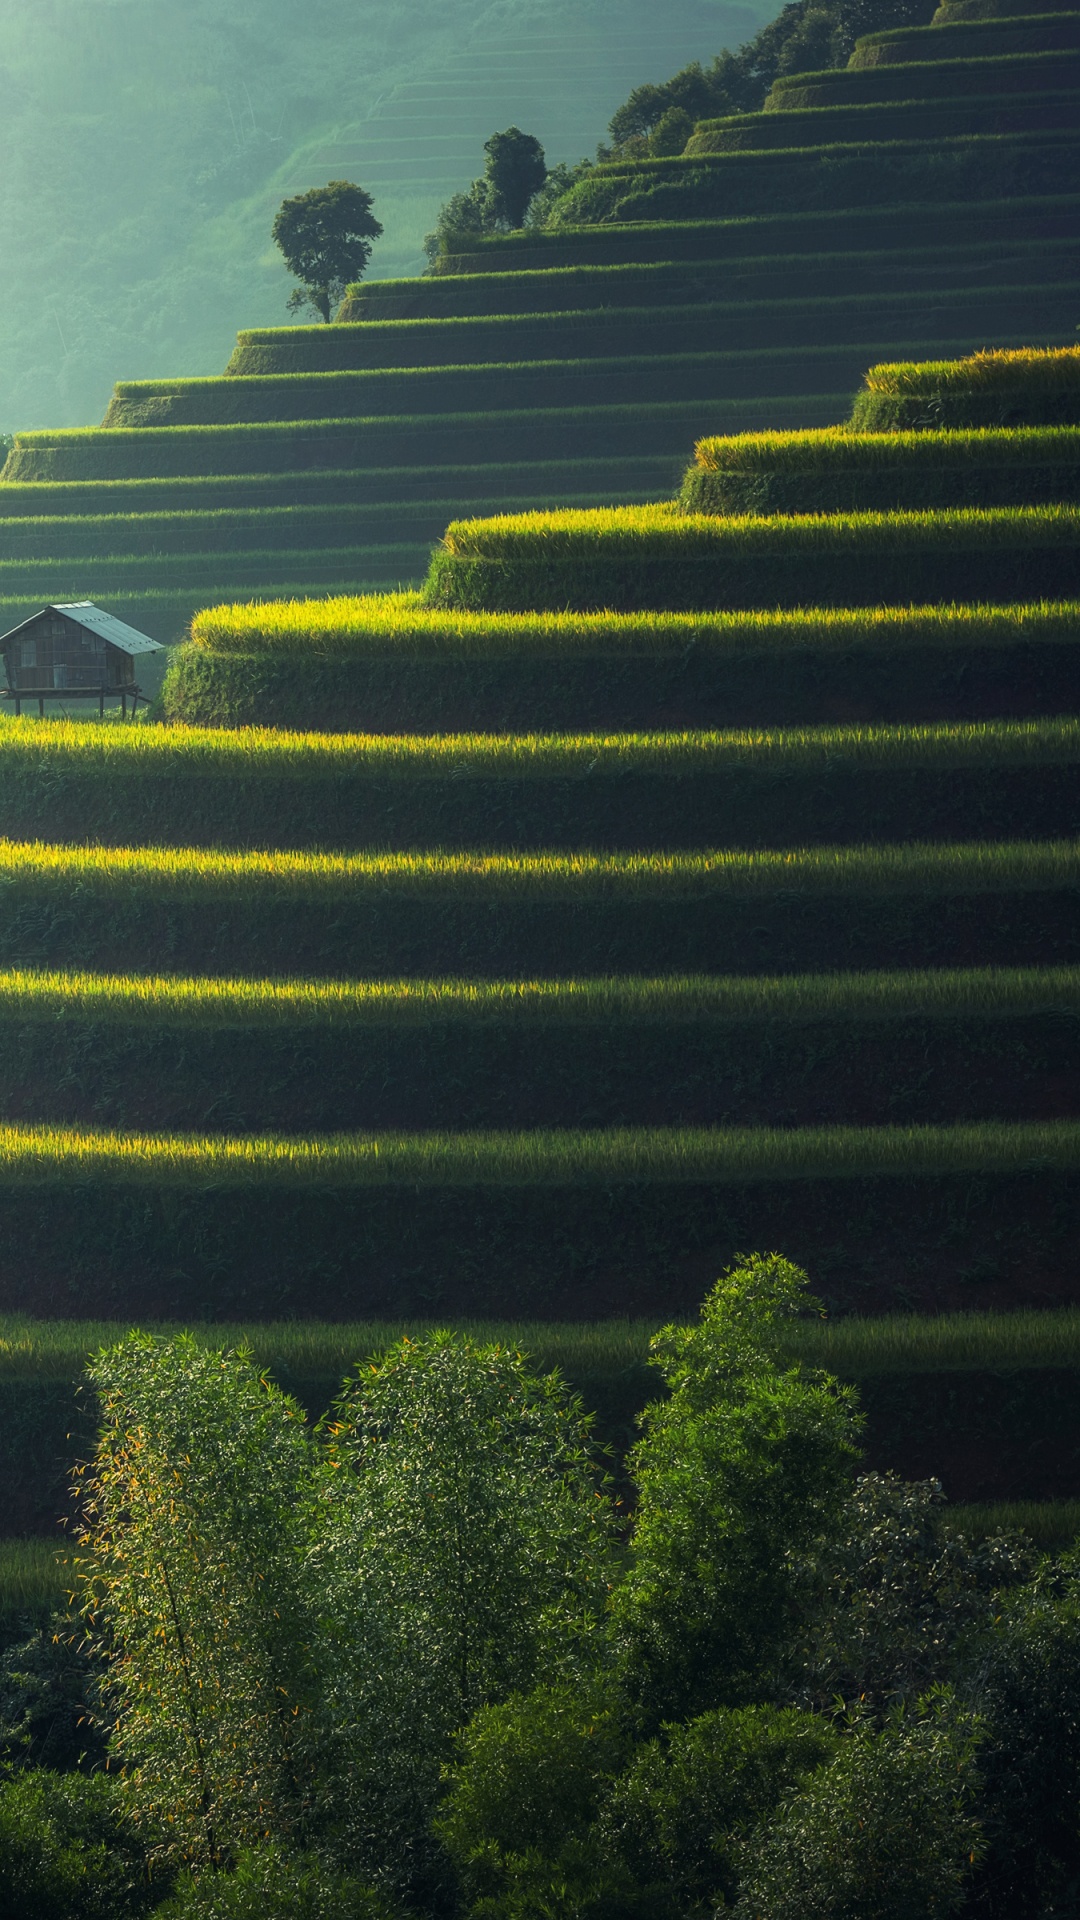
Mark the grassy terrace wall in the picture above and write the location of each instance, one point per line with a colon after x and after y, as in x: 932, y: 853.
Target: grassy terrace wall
x: 388, y: 665
x: 1044, y: 72
x: 938, y: 223
x: 836, y: 471
x: 966, y: 38
x: 811, y: 179
x: 670, y: 283
x: 923, y: 120
x: 654, y: 557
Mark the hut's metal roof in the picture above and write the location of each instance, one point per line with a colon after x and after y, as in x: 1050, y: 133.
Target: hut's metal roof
x: 117, y: 632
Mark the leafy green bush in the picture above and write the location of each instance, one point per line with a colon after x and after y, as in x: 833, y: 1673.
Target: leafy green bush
x: 674, y: 1819
x: 64, y: 1854
x: 266, y: 1884
x: 886, y: 1828
x: 741, y: 1474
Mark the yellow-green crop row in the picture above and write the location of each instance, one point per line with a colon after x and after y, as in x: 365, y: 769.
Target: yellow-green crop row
x: 34, y: 1577
x: 664, y: 528
x: 1044, y: 367
x: 32, y: 1156
x: 163, y: 873
x: 399, y: 624
x: 159, y: 1000
x: 263, y: 752
x: 809, y: 448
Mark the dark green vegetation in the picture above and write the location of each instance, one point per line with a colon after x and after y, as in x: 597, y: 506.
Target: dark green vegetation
x: 929, y: 209
x: 790, y: 1684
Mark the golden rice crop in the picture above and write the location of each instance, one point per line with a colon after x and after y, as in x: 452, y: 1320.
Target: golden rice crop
x: 664, y: 528
x: 265, y: 752
x: 195, y: 873
x: 808, y: 448
x: 44, y: 1155
x: 399, y: 624
x: 157, y: 1000
x: 1044, y: 367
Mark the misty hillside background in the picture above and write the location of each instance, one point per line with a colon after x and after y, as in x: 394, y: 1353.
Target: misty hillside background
x: 146, y: 145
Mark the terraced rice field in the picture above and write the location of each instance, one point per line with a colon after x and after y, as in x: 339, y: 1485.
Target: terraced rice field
x: 918, y: 205
x: 652, y: 884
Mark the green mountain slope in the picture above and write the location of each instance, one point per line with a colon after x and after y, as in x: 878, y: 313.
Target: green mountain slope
x: 144, y: 150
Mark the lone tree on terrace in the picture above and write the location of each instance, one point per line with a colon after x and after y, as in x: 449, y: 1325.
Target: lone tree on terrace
x: 326, y: 237
x: 515, y: 171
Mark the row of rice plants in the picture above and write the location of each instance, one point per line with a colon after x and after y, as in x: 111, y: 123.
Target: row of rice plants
x: 529, y: 385
x: 406, y: 487
x: 656, y: 557
x: 607, y: 690
x: 403, y: 626
x: 204, y: 573
x: 954, y: 39
x: 1012, y: 262
x: 813, y: 786
x: 41, y: 1155
x: 649, y: 428
x: 914, y: 118
x: 734, y: 324
x: 851, y: 1346
x: 998, y: 388
x: 177, y: 873
x: 990, y: 75
x: 265, y: 753
x: 944, y: 222
x: 947, y: 994
x: 810, y: 180
x: 192, y: 535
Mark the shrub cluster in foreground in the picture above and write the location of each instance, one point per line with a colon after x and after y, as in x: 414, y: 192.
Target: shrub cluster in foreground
x: 422, y: 1660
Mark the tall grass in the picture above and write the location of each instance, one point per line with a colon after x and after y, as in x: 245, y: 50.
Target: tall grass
x: 661, y: 527
x: 1043, y: 367
x: 263, y: 752
x: 149, y: 1000
x: 35, y: 1156
x: 197, y: 874
x: 939, y: 1343
x: 401, y: 625
x: 823, y: 448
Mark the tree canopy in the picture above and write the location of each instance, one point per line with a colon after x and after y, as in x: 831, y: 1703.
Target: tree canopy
x: 326, y: 237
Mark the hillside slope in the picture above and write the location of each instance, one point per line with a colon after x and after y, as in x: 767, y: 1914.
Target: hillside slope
x: 908, y: 206
x: 145, y: 149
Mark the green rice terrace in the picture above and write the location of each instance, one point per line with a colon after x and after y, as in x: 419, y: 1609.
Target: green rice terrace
x: 918, y: 205
x: 654, y: 882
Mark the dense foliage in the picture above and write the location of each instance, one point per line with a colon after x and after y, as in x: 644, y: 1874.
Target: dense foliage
x: 419, y: 1659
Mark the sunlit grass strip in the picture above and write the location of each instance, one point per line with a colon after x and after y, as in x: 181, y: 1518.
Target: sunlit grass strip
x: 151, y: 1000
x: 49, y: 1156
x: 663, y: 529
x: 1005, y: 367
x: 400, y: 625
x: 57, y: 1350
x: 827, y: 447
x: 197, y: 874
x: 939, y: 1343
x: 52, y: 1350
x: 264, y: 752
